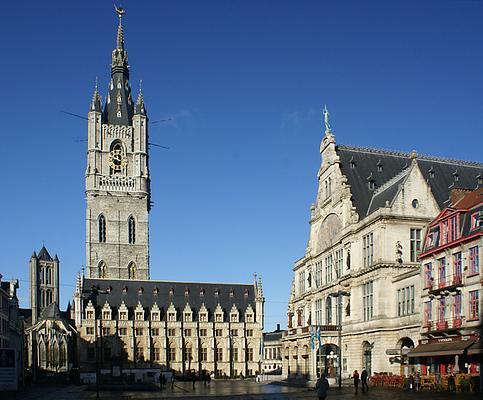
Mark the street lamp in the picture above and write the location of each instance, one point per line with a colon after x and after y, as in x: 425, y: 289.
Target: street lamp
x: 95, y: 291
x: 339, y: 294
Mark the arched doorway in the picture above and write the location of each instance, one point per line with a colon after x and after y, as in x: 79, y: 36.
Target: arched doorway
x: 328, y: 360
x: 367, y: 357
x: 405, y: 344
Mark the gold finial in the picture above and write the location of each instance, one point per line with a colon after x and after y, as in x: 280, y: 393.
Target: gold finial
x: 120, y: 12
x: 326, y: 119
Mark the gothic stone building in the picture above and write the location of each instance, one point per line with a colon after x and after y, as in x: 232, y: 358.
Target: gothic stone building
x: 50, y: 335
x: 128, y: 322
x: 360, y: 270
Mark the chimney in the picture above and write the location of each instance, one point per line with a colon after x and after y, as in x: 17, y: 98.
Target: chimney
x: 278, y: 327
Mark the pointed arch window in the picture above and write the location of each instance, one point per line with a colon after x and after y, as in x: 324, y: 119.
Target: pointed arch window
x: 132, y: 271
x: 102, y: 229
x: 131, y: 230
x: 102, y: 270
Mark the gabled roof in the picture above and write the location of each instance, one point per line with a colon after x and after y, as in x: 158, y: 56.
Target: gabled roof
x: 361, y: 165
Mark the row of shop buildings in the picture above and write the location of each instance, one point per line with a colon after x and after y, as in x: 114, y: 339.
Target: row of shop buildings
x: 390, y: 280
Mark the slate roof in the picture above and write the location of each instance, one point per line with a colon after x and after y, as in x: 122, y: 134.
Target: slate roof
x: 272, y: 336
x: 144, y: 292
x: 361, y: 165
x: 44, y: 255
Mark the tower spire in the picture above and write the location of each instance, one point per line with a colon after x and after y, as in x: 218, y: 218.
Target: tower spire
x: 119, y: 107
x: 140, y: 108
x: 120, y: 33
x: 96, y: 99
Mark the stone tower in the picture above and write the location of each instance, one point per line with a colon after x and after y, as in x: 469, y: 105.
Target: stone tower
x: 117, y: 178
x: 44, y: 282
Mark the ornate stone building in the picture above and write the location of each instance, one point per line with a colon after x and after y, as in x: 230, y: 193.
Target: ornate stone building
x: 130, y: 324
x: 359, y: 275
x: 50, y: 336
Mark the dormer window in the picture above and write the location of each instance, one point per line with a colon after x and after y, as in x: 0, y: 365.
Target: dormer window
x: 476, y: 219
x: 249, y: 317
x: 155, y: 316
x: 247, y: 292
x: 232, y: 293
x: 106, y: 315
x: 186, y: 292
x: 124, y: 289
x: 431, y: 172
x: 139, y: 316
x: 234, y: 317
x: 187, y: 317
x: 218, y: 317
x: 172, y: 316
x: 372, y: 185
x: 90, y: 314
x: 123, y: 315
x: 140, y: 290
x: 202, y: 292
x: 171, y: 291
x: 203, y: 317
x: 155, y: 291
x: 456, y: 176
x: 217, y: 292
x: 379, y: 166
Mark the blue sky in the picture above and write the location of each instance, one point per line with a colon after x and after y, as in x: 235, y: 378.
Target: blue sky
x: 244, y: 83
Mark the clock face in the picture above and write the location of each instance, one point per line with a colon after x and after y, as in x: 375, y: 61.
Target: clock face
x: 117, y: 160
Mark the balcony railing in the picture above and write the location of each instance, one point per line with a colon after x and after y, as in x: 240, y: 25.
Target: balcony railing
x: 443, y: 325
x: 312, y: 328
x: 447, y: 282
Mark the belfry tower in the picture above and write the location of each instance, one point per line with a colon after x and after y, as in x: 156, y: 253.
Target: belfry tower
x: 117, y: 178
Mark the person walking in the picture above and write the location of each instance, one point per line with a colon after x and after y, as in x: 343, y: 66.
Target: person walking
x: 172, y: 380
x: 365, y: 387
x: 355, y: 376
x: 322, y: 387
x: 193, y: 379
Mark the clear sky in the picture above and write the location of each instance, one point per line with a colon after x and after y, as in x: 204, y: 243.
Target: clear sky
x: 244, y: 83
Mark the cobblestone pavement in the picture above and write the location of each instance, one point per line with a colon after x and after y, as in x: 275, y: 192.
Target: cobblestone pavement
x: 232, y: 390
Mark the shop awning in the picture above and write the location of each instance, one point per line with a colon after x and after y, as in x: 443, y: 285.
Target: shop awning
x: 476, y: 348
x: 440, y: 349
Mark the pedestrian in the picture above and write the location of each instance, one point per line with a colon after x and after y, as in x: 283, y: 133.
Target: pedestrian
x: 365, y: 387
x: 355, y: 376
x: 160, y: 381
x: 172, y: 380
x: 416, y: 381
x: 451, y: 383
x: 322, y: 387
x: 193, y: 378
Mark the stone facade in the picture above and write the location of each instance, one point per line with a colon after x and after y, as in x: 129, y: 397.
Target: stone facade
x: 361, y: 259
x: 141, y: 326
x: 133, y: 326
x: 272, y: 352
x: 44, y: 282
x: 117, y: 179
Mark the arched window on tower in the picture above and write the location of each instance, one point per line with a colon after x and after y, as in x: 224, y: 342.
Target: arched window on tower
x: 42, y: 298
x: 131, y: 230
x: 102, y: 270
x: 102, y: 229
x: 132, y: 271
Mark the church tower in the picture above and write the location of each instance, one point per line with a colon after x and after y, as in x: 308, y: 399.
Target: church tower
x: 117, y: 178
x: 44, y: 282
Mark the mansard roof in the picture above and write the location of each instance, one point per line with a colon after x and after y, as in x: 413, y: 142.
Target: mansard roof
x: 163, y: 293
x: 361, y: 165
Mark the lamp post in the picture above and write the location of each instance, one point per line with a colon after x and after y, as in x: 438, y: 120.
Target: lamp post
x: 338, y: 295
x: 95, y: 291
